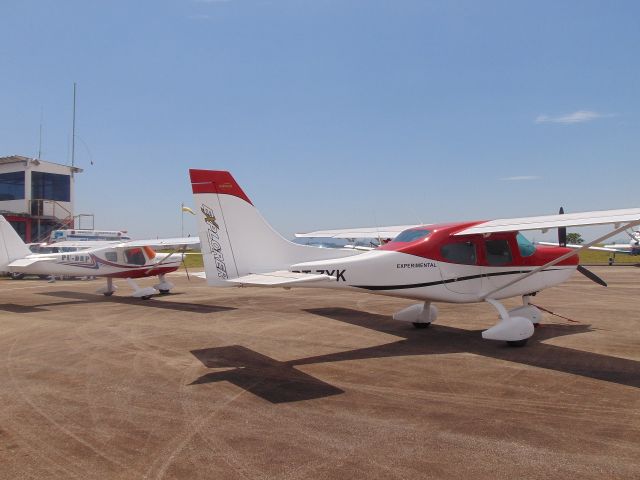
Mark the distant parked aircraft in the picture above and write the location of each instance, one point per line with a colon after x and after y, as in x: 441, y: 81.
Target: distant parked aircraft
x: 134, y: 259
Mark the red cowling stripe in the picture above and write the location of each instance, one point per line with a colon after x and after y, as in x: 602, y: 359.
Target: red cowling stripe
x: 216, y: 181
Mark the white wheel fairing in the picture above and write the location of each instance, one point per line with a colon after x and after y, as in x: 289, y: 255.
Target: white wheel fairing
x: 418, y: 313
x: 512, y: 329
x: 531, y: 313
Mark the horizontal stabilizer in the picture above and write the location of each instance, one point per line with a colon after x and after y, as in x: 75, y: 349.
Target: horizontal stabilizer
x: 27, y: 262
x: 280, y: 279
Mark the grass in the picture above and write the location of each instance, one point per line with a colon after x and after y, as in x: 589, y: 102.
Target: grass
x: 595, y: 257
x: 193, y: 260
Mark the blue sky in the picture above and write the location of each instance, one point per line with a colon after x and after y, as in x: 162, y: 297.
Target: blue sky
x: 330, y: 113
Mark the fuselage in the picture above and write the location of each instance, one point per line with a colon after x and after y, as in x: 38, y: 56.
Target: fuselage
x: 431, y: 263
x: 115, y: 262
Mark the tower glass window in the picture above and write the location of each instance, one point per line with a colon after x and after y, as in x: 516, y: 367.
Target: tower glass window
x: 12, y: 186
x: 50, y: 186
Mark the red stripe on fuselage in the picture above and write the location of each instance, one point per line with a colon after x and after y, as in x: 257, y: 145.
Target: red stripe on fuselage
x: 430, y: 246
x: 216, y: 181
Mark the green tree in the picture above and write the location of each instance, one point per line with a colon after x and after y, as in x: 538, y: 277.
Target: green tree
x: 574, y: 239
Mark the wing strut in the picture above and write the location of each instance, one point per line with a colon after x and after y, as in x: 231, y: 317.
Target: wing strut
x: 563, y: 257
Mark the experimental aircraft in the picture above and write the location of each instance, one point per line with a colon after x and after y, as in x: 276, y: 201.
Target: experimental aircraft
x: 464, y: 262
x: 129, y: 260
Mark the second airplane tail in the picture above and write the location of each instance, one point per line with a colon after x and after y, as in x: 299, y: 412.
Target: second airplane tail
x: 11, y: 245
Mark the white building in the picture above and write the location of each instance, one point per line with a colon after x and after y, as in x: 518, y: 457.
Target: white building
x: 36, y: 196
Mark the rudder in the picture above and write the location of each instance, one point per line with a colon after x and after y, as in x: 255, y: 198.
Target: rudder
x: 12, y: 247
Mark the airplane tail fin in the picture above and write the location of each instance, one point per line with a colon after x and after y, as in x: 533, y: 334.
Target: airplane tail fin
x: 235, y: 239
x: 11, y: 245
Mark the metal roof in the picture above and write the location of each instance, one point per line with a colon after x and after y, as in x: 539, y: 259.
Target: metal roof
x: 26, y: 160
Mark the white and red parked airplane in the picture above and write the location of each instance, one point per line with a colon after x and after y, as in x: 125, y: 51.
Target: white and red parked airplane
x: 129, y: 260
x: 455, y: 263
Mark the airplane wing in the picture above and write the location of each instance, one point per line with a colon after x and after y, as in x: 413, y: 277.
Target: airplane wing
x: 365, y: 232
x: 621, y: 219
x: 280, y: 279
x: 162, y: 242
x: 85, y: 244
x: 599, y: 249
x: 584, y: 219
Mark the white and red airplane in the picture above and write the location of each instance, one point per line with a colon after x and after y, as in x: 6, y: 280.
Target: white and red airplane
x: 128, y: 260
x: 481, y: 261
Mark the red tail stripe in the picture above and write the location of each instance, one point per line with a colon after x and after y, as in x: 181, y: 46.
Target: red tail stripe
x: 216, y: 181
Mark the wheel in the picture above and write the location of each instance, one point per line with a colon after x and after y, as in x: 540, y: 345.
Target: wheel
x: 164, y: 292
x: 146, y: 297
x: 107, y: 294
x: 517, y: 343
x: 16, y: 276
x: 421, y: 324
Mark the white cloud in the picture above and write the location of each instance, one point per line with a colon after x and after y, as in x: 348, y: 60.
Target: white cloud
x: 581, y: 116
x: 199, y: 16
x: 521, y: 178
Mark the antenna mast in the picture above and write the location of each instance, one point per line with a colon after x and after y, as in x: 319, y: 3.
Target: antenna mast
x: 73, y: 129
x: 40, y: 136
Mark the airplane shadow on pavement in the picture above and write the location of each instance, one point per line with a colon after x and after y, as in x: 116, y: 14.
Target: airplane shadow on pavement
x: 280, y: 382
x: 79, y: 298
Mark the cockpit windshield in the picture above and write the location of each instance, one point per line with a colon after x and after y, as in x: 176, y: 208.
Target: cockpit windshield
x: 412, y: 235
x: 525, y: 246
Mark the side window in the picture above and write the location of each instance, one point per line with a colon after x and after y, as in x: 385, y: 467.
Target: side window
x: 525, y: 246
x: 111, y: 256
x: 135, y: 256
x: 461, y: 252
x: 498, y: 252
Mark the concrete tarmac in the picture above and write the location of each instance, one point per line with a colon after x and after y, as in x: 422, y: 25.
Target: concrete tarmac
x: 249, y: 383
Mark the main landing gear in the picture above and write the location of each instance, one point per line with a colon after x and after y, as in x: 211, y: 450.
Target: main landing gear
x: 109, y: 289
x: 420, y: 315
x: 515, y: 327
x: 164, y: 287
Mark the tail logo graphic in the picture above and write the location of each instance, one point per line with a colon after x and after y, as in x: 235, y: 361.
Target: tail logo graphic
x: 213, y: 238
x: 211, y: 219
